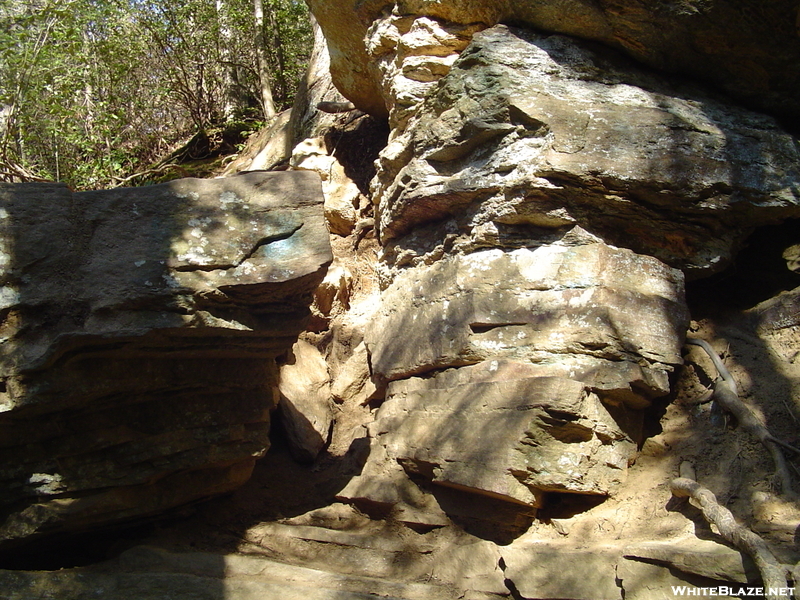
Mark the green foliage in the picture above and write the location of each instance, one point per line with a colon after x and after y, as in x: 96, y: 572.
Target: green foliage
x: 289, y: 41
x: 93, y: 90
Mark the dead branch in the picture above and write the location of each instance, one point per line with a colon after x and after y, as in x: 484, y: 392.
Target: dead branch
x: 118, y: 181
x: 727, y: 395
x: 11, y: 171
x: 773, y: 574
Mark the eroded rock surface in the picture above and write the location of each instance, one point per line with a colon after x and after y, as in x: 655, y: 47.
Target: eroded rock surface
x: 534, y: 208
x: 534, y: 203
x: 305, y: 401
x: 571, y: 308
x: 748, y: 48
x: 140, y: 328
x: 380, y: 564
x: 528, y: 133
x: 560, y: 364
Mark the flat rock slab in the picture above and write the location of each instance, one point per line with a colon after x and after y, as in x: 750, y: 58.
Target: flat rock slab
x: 151, y: 574
x: 139, y: 332
x: 566, y: 569
x: 698, y: 557
x: 180, y: 255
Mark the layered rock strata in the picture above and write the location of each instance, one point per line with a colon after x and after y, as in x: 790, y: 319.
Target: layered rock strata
x: 748, y: 48
x: 538, y: 204
x: 140, y: 330
x: 514, y: 374
x: 528, y: 134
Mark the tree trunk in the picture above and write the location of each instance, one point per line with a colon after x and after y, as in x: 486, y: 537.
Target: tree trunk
x: 231, y: 103
x: 276, y: 42
x: 267, y: 103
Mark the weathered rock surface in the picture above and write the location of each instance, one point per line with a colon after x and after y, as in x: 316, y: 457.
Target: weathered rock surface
x: 534, y: 201
x: 750, y: 49
x: 537, y: 434
x: 295, y: 561
x: 140, y: 328
x: 528, y: 133
x: 552, y: 359
x: 533, y: 205
x: 356, y: 563
x: 266, y: 149
x: 307, y: 121
x: 341, y: 193
x: 411, y: 54
x: 609, y: 572
x: 305, y: 401
x: 574, y: 311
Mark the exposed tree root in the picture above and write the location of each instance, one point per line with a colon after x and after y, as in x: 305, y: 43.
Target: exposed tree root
x: 727, y: 395
x: 773, y: 573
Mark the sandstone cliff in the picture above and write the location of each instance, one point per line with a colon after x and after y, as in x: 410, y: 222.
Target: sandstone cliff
x: 491, y: 393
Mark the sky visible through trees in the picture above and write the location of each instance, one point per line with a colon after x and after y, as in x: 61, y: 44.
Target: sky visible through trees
x: 94, y: 90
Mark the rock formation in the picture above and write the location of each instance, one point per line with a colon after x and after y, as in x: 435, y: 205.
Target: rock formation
x: 501, y: 326
x: 140, y: 330
x: 533, y: 131
x: 518, y: 168
x: 749, y: 49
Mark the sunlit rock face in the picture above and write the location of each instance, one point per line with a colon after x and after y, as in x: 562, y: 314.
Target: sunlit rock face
x: 140, y: 328
x: 570, y: 310
x: 749, y: 49
x: 539, y: 203
x: 513, y: 374
x: 530, y: 132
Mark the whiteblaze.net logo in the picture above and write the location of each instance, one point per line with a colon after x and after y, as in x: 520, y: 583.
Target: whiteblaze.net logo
x: 724, y: 590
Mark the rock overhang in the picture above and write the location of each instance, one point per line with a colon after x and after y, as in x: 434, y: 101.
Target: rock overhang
x: 139, y: 341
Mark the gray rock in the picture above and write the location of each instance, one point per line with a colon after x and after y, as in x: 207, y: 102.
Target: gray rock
x: 529, y: 131
x: 513, y: 374
x: 140, y: 330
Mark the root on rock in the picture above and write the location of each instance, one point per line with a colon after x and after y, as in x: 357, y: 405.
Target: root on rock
x: 727, y: 395
x: 773, y: 574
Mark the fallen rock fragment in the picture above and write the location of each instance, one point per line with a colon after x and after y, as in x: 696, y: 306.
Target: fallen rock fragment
x: 305, y: 401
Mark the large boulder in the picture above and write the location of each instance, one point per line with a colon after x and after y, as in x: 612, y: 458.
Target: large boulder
x: 513, y: 375
x: 528, y: 133
x: 750, y: 48
x: 140, y: 331
x: 601, y: 315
